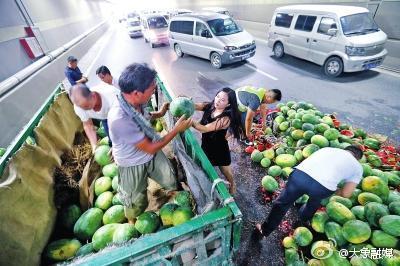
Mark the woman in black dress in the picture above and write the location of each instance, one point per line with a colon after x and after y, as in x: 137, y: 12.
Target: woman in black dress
x: 220, y: 116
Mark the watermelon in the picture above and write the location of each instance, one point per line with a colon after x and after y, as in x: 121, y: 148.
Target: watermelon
x: 354, y: 196
x: 327, y: 120
x: 296, y: 123
x: 269, y: 183
x: 314, y: 262
x: 346, y: 202
x: 334, y: 231
x: 320, y: 141
x: 309, y: 118
x: 88, y: 223
x: 303, y: 199
x: 114, y: 214
x: 393, y: 196
x: 279, y: 119
x: 334, y: 144
x: 310, y: 149
x: 367, y: 169
x: 375, y: 185
x: 104, y: 236
x: 256, y: 156
x: 101, y: 131
x: 298, y: 155
x: 394, y: 207
x: 308, y: 127
x: 101, y: 155
x: 183, y: 198
x: 373, y: 211
x: 159, y: 126
x: 393, y: 179
x: 302, y: 236
x: 270, y: 154
x: 291, y: 256
x: 318, y: 221
x: 390, y: 224
x: 30, y: 141
x: 147, y: 222
x: 322, y: 249
x: 366, y: 197
x: 359, y: 212
x: 360, y: 133
x: 356, y: 231
x: 116, y: 200
x: 344, y: 127
x: 285, y: 160
x: 104, y: 141
x: 372, y: 143
x: 360, y: 261
x: 182, y: 106
x: 125, y: 232
x: 166, y: 213
x: 280, y: 150
x: 331, y: 134
x: 289, y: 242
x: 287, y: 171
x: 275, y: 171
x: 284, y: 126
x: 392, y: 260
x: 301, y: 143
x: 297, y: 134
x: 2, y: 151
x: 338, y: 212
x: 69, y: 216
x: 307, y: 135
x: 181, y: 215
x: 62, y: 249
x: 381, y: 175
x: 265, y: 162
x: 102, y: 184
x: 335, y: 260
x: 380, y: 239
x: 374, y: 160
x: 290, y: 104
x: 114, y: 183
x: 110, y: 170
x: 104, y: 200
x: 321, y: 128
x: 85, y: 250
x: 284, y: 109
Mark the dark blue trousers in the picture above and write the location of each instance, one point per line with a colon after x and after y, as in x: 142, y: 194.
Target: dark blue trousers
x: 298, y: 184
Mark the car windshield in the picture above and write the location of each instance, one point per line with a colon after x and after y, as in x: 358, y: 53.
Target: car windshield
x: 134, y: 23
x: 222, y: 27
x: 157, y: 23
x: 358, y: 24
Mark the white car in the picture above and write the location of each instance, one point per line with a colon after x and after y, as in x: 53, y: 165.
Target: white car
x: 339, y: 38
x: 133, y: 27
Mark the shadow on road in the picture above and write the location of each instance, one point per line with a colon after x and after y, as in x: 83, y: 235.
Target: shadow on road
x: 304, y: 67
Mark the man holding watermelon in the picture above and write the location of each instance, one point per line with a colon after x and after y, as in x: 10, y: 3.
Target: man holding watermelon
x: 136, y: 146
x: 251, y: 99
x: 318, y: 177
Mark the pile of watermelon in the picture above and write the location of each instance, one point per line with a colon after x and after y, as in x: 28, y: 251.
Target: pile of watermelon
x: 105, y: 223
x: 369, y: 219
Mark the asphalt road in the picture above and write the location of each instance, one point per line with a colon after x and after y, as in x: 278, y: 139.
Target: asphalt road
x: 368, y: 99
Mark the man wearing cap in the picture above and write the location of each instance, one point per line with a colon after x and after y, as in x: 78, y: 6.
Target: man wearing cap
x: 250, y: 99
x: 73, y: 73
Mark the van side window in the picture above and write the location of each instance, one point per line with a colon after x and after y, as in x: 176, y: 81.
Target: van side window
x: 199, y: 28
x: 185, y: 27
x: 305, y: 23
x: 283, y: 20
x: 326, y: 24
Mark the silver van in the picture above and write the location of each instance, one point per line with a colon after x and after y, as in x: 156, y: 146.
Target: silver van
x: 154, y: 29
x: 212, y: 36
x: 339, y: 38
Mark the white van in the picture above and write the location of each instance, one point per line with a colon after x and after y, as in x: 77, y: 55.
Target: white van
x: 339, y: 38
x: 220, y: 10
x: 133, y: 27
x: 154, y: 29
x: 211, y: 36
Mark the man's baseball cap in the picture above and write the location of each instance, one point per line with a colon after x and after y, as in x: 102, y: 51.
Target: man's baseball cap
x: 71, y: 58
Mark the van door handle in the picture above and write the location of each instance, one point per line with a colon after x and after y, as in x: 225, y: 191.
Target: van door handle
x: 308, y: 39
x: 314, y: 40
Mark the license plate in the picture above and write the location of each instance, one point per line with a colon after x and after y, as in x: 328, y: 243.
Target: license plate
x: 245, y: 56
x: 372, y: 65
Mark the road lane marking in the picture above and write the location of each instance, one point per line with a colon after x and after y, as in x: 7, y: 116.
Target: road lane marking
x: 262, y: 72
